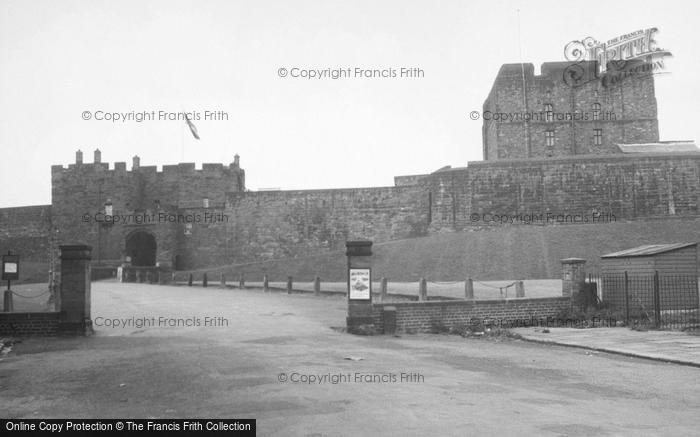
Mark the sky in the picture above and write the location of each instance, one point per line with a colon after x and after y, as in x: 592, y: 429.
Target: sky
x: 64, y: 59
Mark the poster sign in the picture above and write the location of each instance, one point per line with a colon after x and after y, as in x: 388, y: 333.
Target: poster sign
x: 10, y: 267
x: 360, y: 284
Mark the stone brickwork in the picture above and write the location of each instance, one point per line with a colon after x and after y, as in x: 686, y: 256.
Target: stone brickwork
x: 26, y: 231
x: 281, y: 224
x: 401, y: 181
x: 74, y: 297
x: 26, y: 228
x: 29, y: 324
x: 151, y: 201
x: 426, y: 316
x: 650, y: 186
x: 258, y: 226
x: 624, y: 110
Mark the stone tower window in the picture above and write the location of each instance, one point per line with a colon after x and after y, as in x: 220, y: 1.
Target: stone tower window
x: 596, y: 111
x: 549, y: 112
x: 597, y: 137
x: 549, y: 138
x: 549, y: 143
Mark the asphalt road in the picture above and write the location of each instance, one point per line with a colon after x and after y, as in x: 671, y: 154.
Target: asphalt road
x: 451, y: 386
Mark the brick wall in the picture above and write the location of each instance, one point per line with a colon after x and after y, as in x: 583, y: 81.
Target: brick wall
x: 425, y: 316
x: 29, y: 324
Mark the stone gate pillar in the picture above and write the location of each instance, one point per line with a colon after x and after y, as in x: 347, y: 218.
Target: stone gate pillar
x: 73, y: 301
x: 573, y: 276
x: 359, y: 319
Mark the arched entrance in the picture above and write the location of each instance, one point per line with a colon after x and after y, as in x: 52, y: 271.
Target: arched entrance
x: 141, y: 247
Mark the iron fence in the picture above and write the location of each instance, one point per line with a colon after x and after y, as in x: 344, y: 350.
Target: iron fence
x: 660, y: 300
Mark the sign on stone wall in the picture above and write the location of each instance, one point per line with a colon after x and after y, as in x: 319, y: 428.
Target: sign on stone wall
x: 10, y: 267
x: 359, y: 320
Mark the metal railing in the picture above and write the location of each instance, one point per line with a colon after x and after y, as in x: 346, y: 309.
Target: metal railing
x: 664, y: 301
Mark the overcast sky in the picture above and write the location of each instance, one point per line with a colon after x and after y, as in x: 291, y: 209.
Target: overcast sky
x: 61, y: 58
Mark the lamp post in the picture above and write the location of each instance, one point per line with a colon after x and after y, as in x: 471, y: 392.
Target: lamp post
x: 108, y: 210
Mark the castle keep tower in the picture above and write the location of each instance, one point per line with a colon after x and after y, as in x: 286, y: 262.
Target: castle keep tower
x: 568, y: 110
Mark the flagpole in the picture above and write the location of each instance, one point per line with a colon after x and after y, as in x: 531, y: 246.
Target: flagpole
x: 522, y: 72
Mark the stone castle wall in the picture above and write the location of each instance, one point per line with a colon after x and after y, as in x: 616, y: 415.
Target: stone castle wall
x: 628, y: 187
x: 256, y: 226
x: 287, y: 224
x: 27, y: 228
x: 278, y: 224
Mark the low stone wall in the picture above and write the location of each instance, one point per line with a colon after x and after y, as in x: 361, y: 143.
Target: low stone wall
x: 102, y: 272
x: 151, y: 275
x: 426, y: 316
x: 29, y: 324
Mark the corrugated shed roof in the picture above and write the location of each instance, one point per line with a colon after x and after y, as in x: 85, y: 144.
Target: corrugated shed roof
x: 660, y: 147
x: 649, y: 249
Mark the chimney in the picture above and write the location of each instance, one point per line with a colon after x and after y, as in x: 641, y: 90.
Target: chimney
x: 79, y: 157
x: 98, y: 156
x: 136, y: 162
x: 236, y: 161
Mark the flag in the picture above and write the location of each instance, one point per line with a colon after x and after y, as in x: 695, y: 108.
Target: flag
x: 192, y: 127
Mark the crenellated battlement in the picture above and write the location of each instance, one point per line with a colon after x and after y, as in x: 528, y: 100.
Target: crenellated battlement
x: 89, y: 186
x: 103, y: 168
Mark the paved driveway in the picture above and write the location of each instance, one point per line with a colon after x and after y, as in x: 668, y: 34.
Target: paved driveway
x: 452, y: 386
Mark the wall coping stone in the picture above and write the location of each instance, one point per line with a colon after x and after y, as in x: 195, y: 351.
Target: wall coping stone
x: 580, y: 159
x: 48, y: 315
x: 474, y: 302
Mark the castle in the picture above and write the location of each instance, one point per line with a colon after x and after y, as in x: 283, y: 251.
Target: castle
x: 529, y: 116
x: 182, y: 218
x: 140, y: 214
